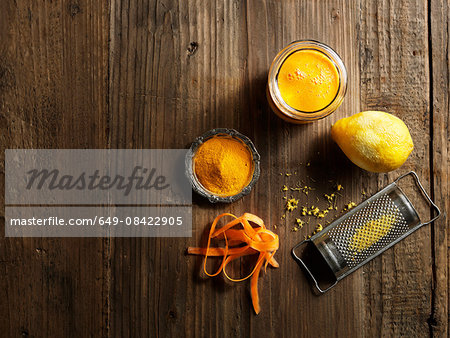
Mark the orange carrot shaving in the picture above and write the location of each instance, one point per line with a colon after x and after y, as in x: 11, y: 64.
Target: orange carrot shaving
x: 247, y: 240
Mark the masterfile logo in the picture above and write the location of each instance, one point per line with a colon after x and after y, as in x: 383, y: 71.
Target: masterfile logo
x: 140, y: 178
x: 96, y: 193
x: 91, y: 176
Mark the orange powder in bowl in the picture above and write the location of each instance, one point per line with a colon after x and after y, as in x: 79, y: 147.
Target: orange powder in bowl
x: 308, y: 80
x: 223, y: 165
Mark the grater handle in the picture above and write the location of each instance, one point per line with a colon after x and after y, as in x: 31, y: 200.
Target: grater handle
x: 300, y: 261
x: 416, y: 178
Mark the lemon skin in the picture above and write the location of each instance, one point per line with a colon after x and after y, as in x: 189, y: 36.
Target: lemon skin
x: 373, y: 140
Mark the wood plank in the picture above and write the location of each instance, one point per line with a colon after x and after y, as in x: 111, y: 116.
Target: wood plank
x: 292, y: 309
x: 439, y: 53
x: 394, y: 66
x: 179, y: 71
x: 53, y: 69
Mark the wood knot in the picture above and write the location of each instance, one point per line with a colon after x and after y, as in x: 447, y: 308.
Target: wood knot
x: 335, y: 14
x: 172, y: 314
x: 192, y: 49
x: 74, y: 9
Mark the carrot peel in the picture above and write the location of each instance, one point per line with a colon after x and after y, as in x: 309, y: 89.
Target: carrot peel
x: 241, y: 239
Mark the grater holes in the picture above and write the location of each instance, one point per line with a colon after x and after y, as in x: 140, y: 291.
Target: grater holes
x: 369, y: 230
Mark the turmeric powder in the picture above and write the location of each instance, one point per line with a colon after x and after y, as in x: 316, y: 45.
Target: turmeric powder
x: 223, y: 165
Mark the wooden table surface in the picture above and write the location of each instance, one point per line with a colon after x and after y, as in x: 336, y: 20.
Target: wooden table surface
x: 156, y: 74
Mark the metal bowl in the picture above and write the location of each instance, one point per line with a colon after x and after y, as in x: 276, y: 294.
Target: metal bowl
x: 196, y: 185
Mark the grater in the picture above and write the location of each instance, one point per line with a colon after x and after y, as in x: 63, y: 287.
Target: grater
x: 364, y: 232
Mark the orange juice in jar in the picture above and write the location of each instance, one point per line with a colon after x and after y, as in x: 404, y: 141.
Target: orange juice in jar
x: 307, y: 81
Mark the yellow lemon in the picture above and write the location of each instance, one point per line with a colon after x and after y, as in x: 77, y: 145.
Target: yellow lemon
x: 375, y: 141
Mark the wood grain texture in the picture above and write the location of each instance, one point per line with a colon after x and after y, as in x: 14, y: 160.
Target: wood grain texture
x: 53, y: 70
x: 207, y: 67
x: 397, y: 287
x: 157, y: 74
x: 439, y: 68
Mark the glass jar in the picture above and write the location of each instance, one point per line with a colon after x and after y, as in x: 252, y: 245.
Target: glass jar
x: 276, y: 101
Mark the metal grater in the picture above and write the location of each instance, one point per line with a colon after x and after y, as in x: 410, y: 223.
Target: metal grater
x: 366, y: 231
